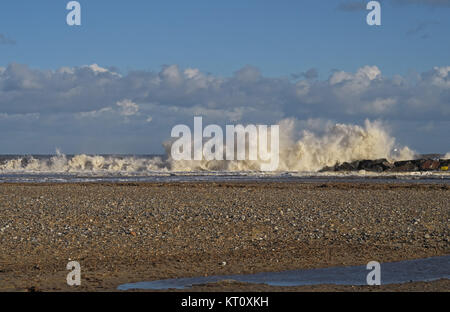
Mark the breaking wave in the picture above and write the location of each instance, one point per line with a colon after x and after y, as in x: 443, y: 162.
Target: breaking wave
x: 82, y: 163
x: 301, y: 150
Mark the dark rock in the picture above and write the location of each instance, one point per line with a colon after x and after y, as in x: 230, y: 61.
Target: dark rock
x: 418, y: 162
x: 377, y: 165
x: 405, y: 166
x: 381, y: 165
x: 428, y: 165
x: 328, y: 169
x: 355, y: 164
x: 345, y: 167
x: 25, y: 161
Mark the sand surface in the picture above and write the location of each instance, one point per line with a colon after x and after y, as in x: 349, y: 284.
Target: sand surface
x: 122, y: 233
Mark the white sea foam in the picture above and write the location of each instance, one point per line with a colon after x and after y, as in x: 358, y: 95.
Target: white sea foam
x: 306, y: 151
x: 301, y: 150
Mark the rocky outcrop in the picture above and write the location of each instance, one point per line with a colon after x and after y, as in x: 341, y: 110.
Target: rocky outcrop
x: 405, y: 166
x: 430, y: 165
x: 383, y: 165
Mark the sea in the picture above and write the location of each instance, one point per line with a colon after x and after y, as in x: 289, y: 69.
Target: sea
x: 61, y: 168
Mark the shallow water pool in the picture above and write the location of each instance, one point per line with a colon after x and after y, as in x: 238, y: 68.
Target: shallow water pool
x: 427, y: 269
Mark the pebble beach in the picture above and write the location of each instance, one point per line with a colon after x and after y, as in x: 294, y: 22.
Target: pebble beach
x: 131, y: 232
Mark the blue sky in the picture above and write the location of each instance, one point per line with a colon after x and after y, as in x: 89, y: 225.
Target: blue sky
x: 139, y: 67
x: 278, y: 37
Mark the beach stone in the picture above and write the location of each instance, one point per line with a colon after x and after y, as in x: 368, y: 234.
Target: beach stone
x: 194, y: 227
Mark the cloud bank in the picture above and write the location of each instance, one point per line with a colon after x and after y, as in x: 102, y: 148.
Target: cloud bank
x: 93, y: 109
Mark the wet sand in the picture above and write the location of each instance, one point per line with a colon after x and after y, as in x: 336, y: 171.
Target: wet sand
x: 123, y: 233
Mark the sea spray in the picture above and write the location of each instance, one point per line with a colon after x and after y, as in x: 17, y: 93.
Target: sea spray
x: 337, y: 144
x: 304, y: 150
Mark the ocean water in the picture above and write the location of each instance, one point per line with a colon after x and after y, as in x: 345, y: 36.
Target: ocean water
x: 301, y: 155
x: 60, y: 168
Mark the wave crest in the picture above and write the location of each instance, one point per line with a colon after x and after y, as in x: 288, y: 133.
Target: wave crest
x: 305, y: 150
